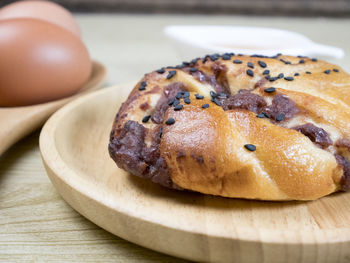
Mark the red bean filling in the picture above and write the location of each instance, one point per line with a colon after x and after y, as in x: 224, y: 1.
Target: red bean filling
x: 129, y: 151
x: 281, y: 106
x: 218, y: 81
x: 343, y: 143
x: 345, y: 164
x: 317, y: 135
x: 244, y: 99
x: 170, y: 91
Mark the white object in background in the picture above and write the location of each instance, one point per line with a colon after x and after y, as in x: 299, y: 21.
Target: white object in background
x: 196, y: 41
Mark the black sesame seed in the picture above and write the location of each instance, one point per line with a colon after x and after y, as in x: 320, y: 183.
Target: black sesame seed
x: 226, y: 57
x: 214, y: 57
x: 194, y: 61
x: 272, y: 79
x: 270, y: 90
x: 285, y: 61
x: 178, y: 107
x: 296, y: 74
x: 262, y: 64
x: 186, y: 94
x: 250, y: 65
x: 301, y: 61
x: 266, y: 114
x: 336, y: 70
x: 178, y: 95
x: 205, y: 58
x: 250, y: 73
x: 280, y: 76
x: 327, y: 71
x: 199, y: 97
x: 240, y: 55
x: 161, y: 71
x: 205, y: 106
x: 186, y: 64
x: 266, y: 72
x: 289, y: 78
x: 250, y: 147
x: 143, y: 85
x: 193, y: 69
x: 146, y: 118
x: 221, y: 95
x: 314, y: 59
x: 180, y: 66
x: 260, y: 115
x: 171, y: 102
x: 216, y: 101
x: 170, y: 121
x: 171, y: 74
x: 176, y: 102
x: 258, y: 56
x: 187, y: 100
x: 213, y: 94
x: 308, y: 72
x: 280, y: 117
x: 237, y: 61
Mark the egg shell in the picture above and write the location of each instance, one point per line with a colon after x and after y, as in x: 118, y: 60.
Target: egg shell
x: 44, y: 10
x: 39, y: 62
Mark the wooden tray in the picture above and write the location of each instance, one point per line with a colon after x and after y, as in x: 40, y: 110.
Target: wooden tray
x: 188, y: 225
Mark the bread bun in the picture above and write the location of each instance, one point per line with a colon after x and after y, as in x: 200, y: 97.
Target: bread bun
x: 257, y: 127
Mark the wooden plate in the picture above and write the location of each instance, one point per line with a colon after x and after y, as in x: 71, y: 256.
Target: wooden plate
x: 183, y: 224
x: 17, y: 122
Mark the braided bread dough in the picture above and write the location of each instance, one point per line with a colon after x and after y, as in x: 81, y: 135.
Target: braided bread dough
x: 270, y: 128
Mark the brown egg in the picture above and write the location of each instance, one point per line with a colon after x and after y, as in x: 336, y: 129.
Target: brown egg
x: 45, y: 10
x: 39, y: 62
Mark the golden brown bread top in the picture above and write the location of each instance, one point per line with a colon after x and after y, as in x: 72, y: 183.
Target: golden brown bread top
x: 302, y: 145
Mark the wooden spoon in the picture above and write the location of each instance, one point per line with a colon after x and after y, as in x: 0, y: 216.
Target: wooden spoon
x: 17, y: 122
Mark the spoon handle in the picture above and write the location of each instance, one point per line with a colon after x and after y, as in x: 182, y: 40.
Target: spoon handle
x: 16, y: 123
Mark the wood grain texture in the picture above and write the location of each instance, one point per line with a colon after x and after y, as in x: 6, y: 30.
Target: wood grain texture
x: 260, y: 7
x: 36, y: 225
x: 17, y: 122
x: 188, y: 225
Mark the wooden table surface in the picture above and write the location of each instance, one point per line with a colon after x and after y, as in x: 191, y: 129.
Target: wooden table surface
x: 36, y: 224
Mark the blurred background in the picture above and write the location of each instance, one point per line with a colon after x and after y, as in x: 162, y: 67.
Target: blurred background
x: 335, y: 8
x: 129, y: 38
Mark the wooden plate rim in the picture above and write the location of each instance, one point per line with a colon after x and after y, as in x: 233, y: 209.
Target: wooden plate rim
x: 266, y: 236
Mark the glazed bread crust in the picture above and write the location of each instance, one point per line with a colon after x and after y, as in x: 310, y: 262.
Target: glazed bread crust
x: 294, y: 110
